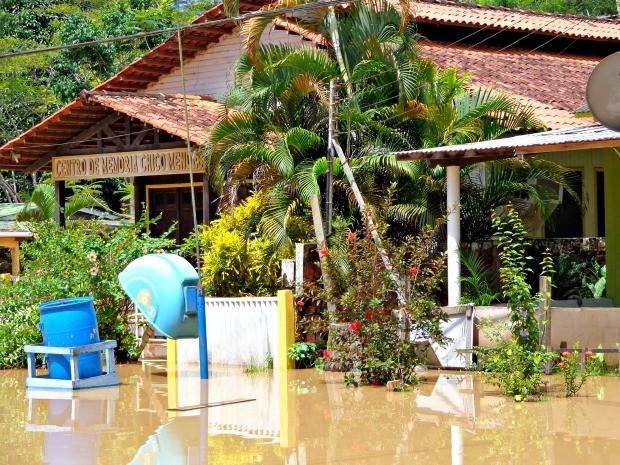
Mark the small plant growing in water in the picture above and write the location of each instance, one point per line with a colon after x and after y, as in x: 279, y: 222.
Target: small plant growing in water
x: 570, y: 368
x: 515, y: 366
x: 303, y: 353
x: 259, y: 367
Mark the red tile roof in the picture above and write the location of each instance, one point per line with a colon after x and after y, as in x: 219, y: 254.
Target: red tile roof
x: 553, y: 84
x: 490, y: 17
x: 164, y: 112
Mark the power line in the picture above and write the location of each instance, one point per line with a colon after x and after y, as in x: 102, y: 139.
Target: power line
x: 171, y: 31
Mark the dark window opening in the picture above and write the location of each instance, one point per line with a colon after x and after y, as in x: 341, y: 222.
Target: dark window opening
x: 566, y: 220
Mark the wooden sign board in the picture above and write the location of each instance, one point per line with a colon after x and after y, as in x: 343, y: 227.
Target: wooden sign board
x: 126, y: 164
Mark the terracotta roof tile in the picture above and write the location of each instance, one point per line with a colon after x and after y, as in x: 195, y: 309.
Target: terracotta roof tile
x: 468, y: 14
x: 163, y: 111
x: 553, y: 84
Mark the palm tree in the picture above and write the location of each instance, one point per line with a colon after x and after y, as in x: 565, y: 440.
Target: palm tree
x: 391, y: 99
x: 41, y: 203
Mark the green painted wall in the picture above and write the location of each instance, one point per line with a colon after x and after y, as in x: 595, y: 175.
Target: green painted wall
x: 588, y: 162
x: 612, y: 223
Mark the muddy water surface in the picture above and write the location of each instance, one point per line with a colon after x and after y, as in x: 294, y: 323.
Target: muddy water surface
x: 302, y: 417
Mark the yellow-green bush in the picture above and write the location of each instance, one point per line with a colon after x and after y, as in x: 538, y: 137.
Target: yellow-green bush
x: 234, y: 265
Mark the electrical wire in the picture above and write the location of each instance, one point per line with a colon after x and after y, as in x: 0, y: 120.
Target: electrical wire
x: 171, y: 31
x: 190, y: 156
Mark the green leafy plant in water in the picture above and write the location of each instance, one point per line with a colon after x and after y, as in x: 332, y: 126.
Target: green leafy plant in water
x: 596, y: 281
x: 511, y: 366
x: 571, y: 370
x: 259, y: 366
x: 597, y: 366
x: 303, y: 353
x: 515, y: 365
x: 81, y: 259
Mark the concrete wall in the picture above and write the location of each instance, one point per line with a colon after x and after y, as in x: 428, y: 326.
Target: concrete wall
x: 590, y: 326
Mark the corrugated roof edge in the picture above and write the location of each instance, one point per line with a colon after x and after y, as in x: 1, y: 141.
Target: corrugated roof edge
x: 523, y: 143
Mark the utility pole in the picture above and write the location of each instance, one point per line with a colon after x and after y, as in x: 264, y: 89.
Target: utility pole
x: 332, y: 133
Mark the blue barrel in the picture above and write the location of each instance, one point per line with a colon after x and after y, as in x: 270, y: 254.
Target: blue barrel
x: 70, y: 323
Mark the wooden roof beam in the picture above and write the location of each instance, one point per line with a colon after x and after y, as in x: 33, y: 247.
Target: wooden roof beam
x: 156, y: 61
x: 139, y: 79
x: 81, y: 137
x: 124, y: 85
x: 150, y: 70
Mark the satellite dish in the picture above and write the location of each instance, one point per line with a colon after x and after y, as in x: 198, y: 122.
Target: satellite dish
x: 603, y: 92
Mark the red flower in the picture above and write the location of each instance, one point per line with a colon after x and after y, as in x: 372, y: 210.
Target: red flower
x: 565, y: 354
x: 301, y: 303
x: 413, y: 270
x: 561, y: 365
x: 351, y: 236
x: 589, y: 353
x: 355, y: 325
x: 326, y: 354
x: 374, y: 382
x: 323, y: 252
x: 368, y: 314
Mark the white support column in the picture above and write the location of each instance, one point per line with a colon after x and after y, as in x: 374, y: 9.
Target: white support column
x: 454, y: 234
x: 456, y: 439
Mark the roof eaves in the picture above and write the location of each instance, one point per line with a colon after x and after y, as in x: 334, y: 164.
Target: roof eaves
x: 475, y: 15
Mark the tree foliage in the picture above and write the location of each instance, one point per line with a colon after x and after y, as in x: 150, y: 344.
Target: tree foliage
x: 33, y: 87
x: 390, y: 99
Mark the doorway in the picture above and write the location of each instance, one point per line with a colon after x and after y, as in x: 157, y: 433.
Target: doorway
x: 174, y: 204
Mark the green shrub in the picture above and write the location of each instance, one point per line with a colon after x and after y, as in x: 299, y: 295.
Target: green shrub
x: 81, y: 259
x: 235, y: 264
x: 303, y: 353
x: 511, y: 366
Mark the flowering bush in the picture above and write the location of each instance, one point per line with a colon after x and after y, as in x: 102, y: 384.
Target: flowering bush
x: 81, y: 259
x: 511, y: 366
x: 374, y: 330
x: 570, y: 368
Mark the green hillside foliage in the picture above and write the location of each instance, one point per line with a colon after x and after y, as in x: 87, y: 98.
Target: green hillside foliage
x: 34, y: 86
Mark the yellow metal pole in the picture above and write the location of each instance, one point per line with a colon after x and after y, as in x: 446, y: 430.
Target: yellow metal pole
x: 288, y: 412
x: 286, y: 328
x: 172, y: 374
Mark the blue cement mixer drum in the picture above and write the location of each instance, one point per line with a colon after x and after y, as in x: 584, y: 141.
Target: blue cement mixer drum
x: 163, y: 288
x: 69, y: 323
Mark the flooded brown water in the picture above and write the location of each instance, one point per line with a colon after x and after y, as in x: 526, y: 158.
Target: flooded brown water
x: 302, y: 417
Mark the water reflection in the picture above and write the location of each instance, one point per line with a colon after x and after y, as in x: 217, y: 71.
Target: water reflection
x: 72, y: 423
x: 302, y: 417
